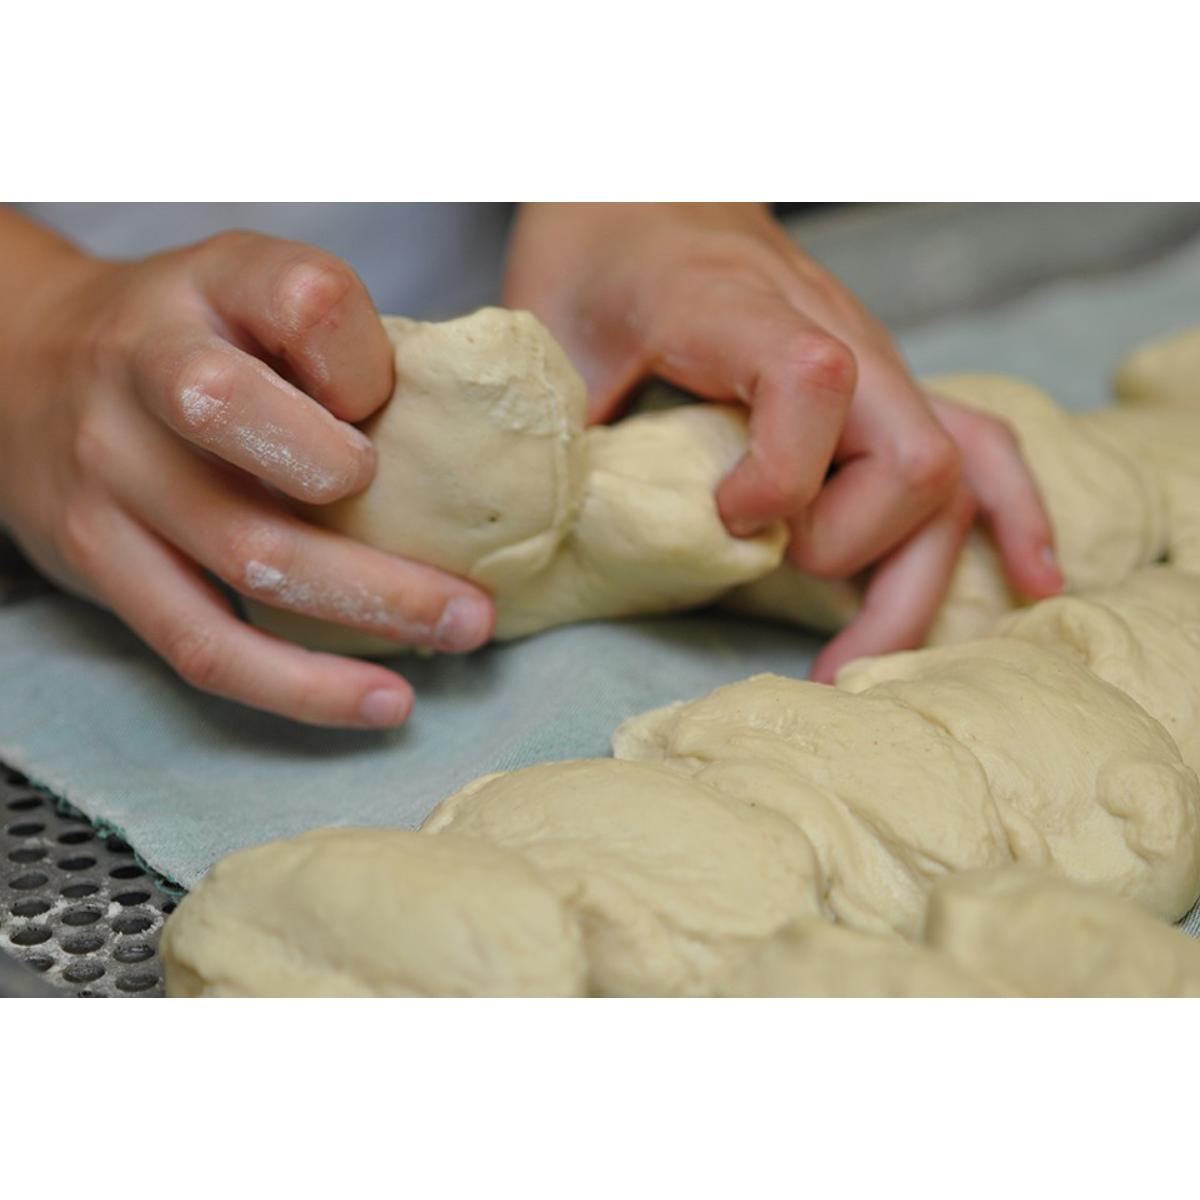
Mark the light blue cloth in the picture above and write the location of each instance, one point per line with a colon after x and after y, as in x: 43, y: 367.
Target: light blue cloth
x: 88, y: 712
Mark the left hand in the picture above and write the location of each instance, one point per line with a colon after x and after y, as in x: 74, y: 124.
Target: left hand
x: 868, y: 471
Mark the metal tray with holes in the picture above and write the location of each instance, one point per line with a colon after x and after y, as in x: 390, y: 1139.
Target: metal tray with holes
x: 75, y: 905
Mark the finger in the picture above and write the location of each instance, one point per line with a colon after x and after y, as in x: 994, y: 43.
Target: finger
x: 304, y: 308
x: 228, y: 525
x: 905, y: 592
x: 183, y: 618
x: 228, y: 403
x: 1008, y: 497
x: 900, y: 467
x: 734, y: 343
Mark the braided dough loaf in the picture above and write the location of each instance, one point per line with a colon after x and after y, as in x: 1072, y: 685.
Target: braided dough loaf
x: 1011, y: 815
x: 699, y: 860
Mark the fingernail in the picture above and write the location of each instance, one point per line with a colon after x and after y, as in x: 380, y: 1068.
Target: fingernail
x: 1051, y: 561
x: 464, y: 624
x: 361, y: 440
x: 383, y: 707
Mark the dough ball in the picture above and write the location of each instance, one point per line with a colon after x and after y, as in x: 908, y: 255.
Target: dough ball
x: 1142, y: 636
x: 480, y: 449
x: 373, y: 912
x: 814, y: 958
x: 480, y: 462
x: 1030, y: 934
x: 1083, y: 778
x: 1164, y: 372
x: 889, y: 800
x: 670, y: 881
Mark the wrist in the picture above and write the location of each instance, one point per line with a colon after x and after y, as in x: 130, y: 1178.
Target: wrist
x: 43, y: 288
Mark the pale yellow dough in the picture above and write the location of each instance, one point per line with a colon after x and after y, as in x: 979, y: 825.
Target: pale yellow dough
x: 373, y: 912
x: 1008, y: 932
x: 1163, y: 373
x: 1084, y: 779
x: 1107, y: 509
x: 1024, y: 933
x: 888, y: 799
x: 670, y: 881
x: 1007, y: 815
x: 813, y: 958
x: 485, y: 470
x: 1142, y: 636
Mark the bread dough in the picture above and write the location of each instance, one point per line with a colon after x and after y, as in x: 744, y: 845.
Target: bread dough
x: 373, y: 912
x: 1143, y: 637
x: 485, y: 471
x: 1007, y: 932
x: 1164, y: 373
x: 1083, y: 778
x: 813, y: 958
x: 648, y: 537
x: 775, y: 836
x: 1024, y: 933
x: 1107, y: 509
x: 698, y: 862
x: 888, y: 799
x: 670, y: 881
x: 1166, y: 442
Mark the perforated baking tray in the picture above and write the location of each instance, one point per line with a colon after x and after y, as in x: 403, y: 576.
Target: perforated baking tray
x: 76, y: 908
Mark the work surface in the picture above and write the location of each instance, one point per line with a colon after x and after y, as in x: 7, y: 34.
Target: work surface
x: 184, y: 778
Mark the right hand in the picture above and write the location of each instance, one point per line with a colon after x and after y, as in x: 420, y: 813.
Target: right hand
x: 150, y: 412
x: 718, y: 300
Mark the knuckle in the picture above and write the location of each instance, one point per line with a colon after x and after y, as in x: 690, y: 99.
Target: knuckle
x: 257, y: 556
x: 310, y: 290
x: 930, y: 465
x: 196, y: 656
x: 197, y: 388
x: 816, y: 360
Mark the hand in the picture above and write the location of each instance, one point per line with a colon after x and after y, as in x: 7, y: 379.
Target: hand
x: 151, y: 412
x: 868, y: 472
